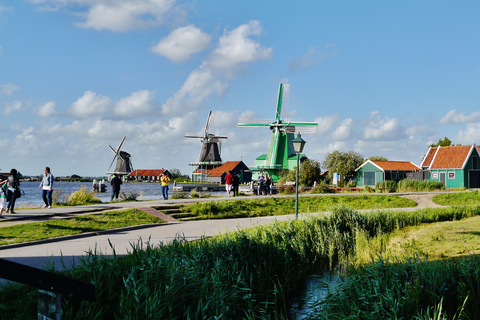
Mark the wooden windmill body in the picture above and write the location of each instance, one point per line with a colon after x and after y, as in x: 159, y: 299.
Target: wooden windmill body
x: 124, y: 163
x: 210, y: 152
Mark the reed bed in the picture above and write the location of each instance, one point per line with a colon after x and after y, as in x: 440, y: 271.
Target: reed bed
x: 408, y: 185
x: 255, y: 273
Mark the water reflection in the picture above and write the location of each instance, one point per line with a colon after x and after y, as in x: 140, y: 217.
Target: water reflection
x: 316, y: 290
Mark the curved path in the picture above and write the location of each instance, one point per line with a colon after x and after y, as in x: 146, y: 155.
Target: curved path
x: 67, y: 250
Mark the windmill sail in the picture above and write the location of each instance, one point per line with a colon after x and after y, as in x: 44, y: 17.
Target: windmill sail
x: 211, y: 144
x: 124, y: 163
x: 281, y: 147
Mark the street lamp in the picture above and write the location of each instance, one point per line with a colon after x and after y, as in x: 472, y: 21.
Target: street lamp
x: 298, y: 144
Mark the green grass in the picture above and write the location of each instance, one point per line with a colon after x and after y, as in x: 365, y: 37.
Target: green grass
x: 73, y: 226
x: 460, y: 198
x: 283, y: 205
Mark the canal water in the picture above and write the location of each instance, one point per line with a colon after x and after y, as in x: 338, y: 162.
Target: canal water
x: 145, y: 190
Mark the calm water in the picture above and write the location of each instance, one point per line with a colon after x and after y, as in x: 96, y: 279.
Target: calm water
x: 33, y: 195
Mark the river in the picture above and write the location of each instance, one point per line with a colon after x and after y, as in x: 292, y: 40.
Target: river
x: 145, y: 190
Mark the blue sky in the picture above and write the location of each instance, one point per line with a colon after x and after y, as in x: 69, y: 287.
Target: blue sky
x: 380, y: 78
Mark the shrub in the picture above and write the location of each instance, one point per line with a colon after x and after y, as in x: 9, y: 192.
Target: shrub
x: 414, y: 185
x: 129, y: 196
x: 321, y: 187
x: 386, y: 186
x: 179, y: 195
x: 286, y: 189
x: 82, y: 197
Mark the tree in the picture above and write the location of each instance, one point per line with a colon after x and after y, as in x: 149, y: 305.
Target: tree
x: 310, y: 171
x: 343, y: 163
x: 308, y: 174
x: 442, y: 143
x: 377, y: 158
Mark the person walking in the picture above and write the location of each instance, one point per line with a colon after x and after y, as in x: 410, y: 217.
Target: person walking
x: 236, y: 182
x: 47, y: 187
x: 164, y: 179
x: 229, y: 183
x: 13, y: 184
x: 116, y: 182
x: 268, y: 184
x: 3, y: 196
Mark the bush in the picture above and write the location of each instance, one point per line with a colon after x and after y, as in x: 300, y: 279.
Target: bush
x: 386, y: 186
x: 286, y: 189
x: 82, y: 197
x: 321, y: 187
x: 414, y: 185
x: 128, y: 196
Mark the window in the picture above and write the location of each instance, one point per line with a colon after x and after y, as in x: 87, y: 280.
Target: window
x: 474, y: 162
x: 451, y: 175
x: 394, y: 175
x: 434, y: 175
x: 369, y: 178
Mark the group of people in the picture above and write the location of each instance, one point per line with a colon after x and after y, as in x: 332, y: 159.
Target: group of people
x: 265, y: 184
x: 10, y: 190
x: 116, y: 183
x: 231, y: 183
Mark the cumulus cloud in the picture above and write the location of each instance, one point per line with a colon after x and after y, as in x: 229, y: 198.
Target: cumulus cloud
x: 234, y: 51
x: 326, y: 123
x: 47, y: 109
x: 454, y: 117
x: 311, y: 57
x: 118, y: 15
x: 91, y: 104
x: 470, y: 134
x: 383, y: 129
x: 8, y: 89
x: 182, y: 43
x: 137, y: 104
x: 344, y: 130
x: 12, y: 106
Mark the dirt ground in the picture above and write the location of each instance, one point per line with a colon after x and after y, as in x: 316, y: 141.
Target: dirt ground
x: 423, y: 200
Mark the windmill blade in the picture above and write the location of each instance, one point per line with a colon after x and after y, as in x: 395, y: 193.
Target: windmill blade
x: 193, y: 135
x: 282, y: 102
x: 115, y: 157
x: 112, y: 149
x: 218, y: 139
x: 121, y: 143
x: 307, y: 129
x: 249, y: 122
x: 210, y: 116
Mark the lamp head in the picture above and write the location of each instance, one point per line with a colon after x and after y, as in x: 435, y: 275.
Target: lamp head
x: 298, y: 144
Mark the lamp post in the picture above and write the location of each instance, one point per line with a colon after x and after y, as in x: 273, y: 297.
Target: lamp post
x: 298, y: 144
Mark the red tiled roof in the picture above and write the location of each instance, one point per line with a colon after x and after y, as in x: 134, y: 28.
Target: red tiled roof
x: 226, y: 167
x: 146, y: 172
x: 427, y: 161
x: 452, y: 157
x: 396, y: 165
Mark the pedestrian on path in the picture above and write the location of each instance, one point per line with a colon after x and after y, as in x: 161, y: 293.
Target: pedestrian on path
x: 229, y: 183
x: 164, y: 179
x: 3, y: 196
x: 13, y: 191
x: 115, y: 183
x: 47, y: 187
x: 236, y: 182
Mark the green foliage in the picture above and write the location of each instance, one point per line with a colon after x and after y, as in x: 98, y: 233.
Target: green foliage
x: 377, y: 158
x: 82, y: 197
x: 321, y: 187
x: 442, y: 143
x: 407, y: 185
x: 343, y: 163
x: 128, y: 196
x: 386, y: 186
x: 310, y: 171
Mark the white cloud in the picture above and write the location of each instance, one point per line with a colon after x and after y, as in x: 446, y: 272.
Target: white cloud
x: 344, y: 130
x: 383, y: 129
x: 10, y: 107
x: 453, y: 117
x: 182, y: 43
x: 326, y: 123
x: 234, y: 51
x: 47, y: 109
x: 470, y: 134
x: 8, y: 89
x: 91, y: 104
x: 311, y: 57
x: 137, y: 104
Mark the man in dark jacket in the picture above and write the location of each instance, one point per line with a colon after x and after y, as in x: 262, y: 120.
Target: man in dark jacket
x: 116, y: 182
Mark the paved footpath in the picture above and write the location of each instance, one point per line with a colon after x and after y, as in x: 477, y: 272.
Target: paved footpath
x: 67, y: 250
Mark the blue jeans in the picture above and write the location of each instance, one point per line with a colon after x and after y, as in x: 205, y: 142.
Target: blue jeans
x: 165, y: 192
x: 11, y: 203
x: 47, y: 197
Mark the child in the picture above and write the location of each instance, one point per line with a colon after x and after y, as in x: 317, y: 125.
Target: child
x: 3, y: 196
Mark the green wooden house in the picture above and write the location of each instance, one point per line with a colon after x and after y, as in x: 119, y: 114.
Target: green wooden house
x: 372, y: 172
x: 456, y: 166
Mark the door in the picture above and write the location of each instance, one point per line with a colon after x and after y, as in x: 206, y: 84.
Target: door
x: 474, y: 179
x: 442, y: 178
x: 369, y: 178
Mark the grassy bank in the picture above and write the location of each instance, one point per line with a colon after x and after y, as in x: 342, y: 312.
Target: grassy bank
x: 286, y: 205
x: 72, y: 226
x: 254, y: 273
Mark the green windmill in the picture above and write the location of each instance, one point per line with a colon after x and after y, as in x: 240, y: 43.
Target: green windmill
x: 281, y: 154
